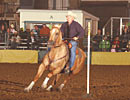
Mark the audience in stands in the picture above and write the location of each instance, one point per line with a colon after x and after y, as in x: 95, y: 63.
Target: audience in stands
x: 36, y: 37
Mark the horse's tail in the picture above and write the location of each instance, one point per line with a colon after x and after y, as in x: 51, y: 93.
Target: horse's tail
x: 79, y: 62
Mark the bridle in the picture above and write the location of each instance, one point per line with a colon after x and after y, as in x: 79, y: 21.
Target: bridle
x: 52, y: 43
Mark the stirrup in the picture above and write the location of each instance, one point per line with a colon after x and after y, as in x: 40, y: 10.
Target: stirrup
x: 68, y: 71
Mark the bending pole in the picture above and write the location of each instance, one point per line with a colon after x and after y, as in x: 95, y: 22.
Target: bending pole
x: 88, y: 61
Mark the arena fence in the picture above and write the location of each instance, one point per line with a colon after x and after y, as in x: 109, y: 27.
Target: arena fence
x: 110, y: 58
x: 33, y: 56
x: 115, y: 25
x: 18, y: 56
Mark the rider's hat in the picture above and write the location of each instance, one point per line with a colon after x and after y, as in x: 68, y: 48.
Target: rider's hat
x: 70, y: 13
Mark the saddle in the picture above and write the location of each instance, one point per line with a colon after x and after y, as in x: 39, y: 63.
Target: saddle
x: 78, y: 52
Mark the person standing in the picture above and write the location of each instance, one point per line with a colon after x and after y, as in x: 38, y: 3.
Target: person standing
x: 44, y: 33
x: 96, y: 40
x: 73, y: 30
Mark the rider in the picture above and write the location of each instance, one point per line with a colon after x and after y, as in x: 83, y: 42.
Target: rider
x: 73, y: 30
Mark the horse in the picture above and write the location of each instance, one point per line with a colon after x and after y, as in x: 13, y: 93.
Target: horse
x: 55, y: 60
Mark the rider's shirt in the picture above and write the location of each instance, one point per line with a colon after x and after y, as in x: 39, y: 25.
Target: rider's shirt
x: 72, y: 30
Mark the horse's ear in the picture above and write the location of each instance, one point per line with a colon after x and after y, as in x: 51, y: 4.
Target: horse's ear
x: 59, y: 39
x: 57, y: 25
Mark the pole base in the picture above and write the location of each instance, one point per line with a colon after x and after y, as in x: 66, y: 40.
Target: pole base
x: 87, y: 96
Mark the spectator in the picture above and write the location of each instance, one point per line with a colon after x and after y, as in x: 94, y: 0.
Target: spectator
x: 125, y: 31
x: 2, y: 33
x: 125, y: 34
x: 113, y: 49
x: 32, y: 39
x: 36, y: 30
x: 44, y: 33
x: 22, y: 34
x: 117, y: 43
x: 12, y: 29
x: 15, y: 40
x: 104, y: 45
x: 128, y: 46
x: 108, y: 36
x: 28, y: 38
x: 8, y: 37
x: 123, y: 45
x: 96, y: 40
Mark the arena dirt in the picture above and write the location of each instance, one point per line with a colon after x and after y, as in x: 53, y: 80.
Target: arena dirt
x: 106, y: 83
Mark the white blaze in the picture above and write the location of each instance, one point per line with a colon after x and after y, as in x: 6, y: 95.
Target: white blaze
x: 53, y: 31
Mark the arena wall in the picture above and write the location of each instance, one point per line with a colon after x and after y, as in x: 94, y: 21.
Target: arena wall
x: 18, y: 56
x: 110, y: 58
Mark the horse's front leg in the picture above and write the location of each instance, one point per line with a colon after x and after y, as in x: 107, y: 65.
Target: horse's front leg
x: 54, y: 72
x: 38, y: 75
x: 54, y: 82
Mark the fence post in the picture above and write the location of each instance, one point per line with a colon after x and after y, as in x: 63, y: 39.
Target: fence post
x: 111, y: 27
x: 120, y: 26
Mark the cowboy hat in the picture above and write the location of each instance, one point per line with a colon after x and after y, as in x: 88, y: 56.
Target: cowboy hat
x: 70, y: 13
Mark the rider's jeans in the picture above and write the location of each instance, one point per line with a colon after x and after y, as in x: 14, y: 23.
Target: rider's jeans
x: 73, y: 53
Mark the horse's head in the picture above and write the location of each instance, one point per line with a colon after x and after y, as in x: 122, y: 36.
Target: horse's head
x: 55, y: 38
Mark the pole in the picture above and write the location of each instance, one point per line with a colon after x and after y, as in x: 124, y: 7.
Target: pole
x: 88, y: 59
x: 88, y: 62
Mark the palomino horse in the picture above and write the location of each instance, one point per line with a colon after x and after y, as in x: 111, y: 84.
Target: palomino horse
x: 55, y: 60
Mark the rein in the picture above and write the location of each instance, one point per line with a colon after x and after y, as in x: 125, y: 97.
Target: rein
x: 51, y: 61
x: 57, y: 45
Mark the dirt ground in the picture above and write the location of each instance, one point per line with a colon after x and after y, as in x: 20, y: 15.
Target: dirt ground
x: 106, y: 83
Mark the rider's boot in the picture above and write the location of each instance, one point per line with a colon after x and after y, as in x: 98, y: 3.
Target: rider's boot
x: 68, y: 70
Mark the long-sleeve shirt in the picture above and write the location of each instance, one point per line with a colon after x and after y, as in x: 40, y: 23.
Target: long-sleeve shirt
x: 72, y: 30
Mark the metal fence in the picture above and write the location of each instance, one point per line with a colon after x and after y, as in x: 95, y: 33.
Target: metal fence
x: 115, y: 25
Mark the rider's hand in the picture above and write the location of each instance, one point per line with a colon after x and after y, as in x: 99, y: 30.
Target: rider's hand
x: 75, y: 38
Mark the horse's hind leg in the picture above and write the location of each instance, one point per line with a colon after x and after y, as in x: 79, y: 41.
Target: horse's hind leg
x: 65, y: 81
x: 38, y: 75
x: 54, y: 82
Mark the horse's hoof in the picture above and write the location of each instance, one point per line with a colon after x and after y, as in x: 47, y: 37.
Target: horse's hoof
x: 49, y: 88
x: 61, y: 87
x: 26, y: 90
x: 57, y: 89
x: 44, y: 86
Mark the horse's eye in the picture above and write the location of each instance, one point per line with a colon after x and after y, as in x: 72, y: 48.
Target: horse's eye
x: 56, y: 33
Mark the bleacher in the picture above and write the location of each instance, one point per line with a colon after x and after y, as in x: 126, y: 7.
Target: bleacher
x: 23, y: 45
